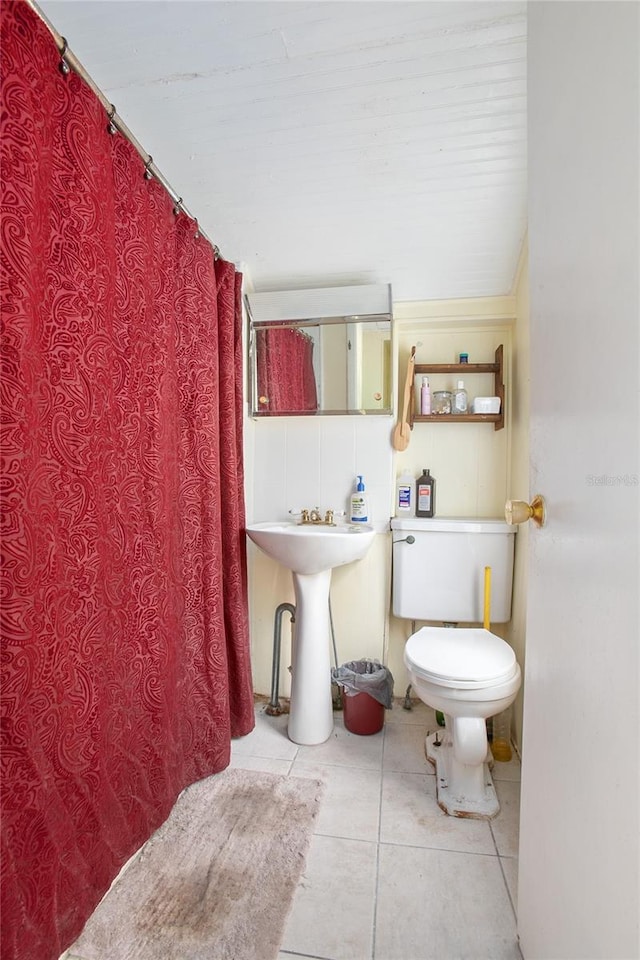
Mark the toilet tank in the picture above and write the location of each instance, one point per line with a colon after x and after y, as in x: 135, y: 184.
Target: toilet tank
x: 441, y: 575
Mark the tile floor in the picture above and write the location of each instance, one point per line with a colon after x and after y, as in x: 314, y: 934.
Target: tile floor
x: 389, y: 876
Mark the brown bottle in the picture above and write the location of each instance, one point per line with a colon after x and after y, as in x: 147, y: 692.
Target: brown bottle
x: 425, y: 495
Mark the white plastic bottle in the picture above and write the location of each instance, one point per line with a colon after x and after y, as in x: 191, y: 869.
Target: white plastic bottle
x: 404, y: 495
x: 460, y: 400
x: 425, y: 397
x: 359, y: 512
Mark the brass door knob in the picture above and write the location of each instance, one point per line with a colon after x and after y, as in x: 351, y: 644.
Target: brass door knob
x: 519, y: 511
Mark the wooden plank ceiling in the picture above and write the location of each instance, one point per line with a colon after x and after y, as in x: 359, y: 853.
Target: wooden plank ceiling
x: 327, y: 143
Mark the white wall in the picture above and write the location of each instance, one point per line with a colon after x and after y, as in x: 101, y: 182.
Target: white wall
x: 578, y: 890
x: 314, y: 461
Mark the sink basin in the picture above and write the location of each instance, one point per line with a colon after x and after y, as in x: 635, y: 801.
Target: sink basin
x: 310, y: 549
x: 311, y: 553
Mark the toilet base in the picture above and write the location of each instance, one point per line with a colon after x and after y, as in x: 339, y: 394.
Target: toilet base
x: 483, y: 805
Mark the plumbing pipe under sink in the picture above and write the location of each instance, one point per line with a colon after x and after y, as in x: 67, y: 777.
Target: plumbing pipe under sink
x: 274, y: 708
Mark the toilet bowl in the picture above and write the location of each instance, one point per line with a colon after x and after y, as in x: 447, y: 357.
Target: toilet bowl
x: 469, y: 675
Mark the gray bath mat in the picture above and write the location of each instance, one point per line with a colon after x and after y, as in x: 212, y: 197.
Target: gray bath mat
x: 216, y: 881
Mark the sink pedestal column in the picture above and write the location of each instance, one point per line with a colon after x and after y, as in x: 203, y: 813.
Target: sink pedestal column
x: 311, y: 708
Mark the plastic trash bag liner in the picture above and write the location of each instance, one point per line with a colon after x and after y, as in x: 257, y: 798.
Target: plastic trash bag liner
x: 365, y: 676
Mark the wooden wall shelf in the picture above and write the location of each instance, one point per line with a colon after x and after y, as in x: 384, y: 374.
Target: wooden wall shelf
x: 466, y: 369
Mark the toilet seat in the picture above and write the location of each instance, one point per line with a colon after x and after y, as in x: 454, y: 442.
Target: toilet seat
x: 467, y: 659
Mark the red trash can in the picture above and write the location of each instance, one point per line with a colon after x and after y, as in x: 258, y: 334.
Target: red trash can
x: 362, y: 714
x: 367, y: 690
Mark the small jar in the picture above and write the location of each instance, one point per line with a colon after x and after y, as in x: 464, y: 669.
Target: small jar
x: 441, y: 401
x: 464, y: 358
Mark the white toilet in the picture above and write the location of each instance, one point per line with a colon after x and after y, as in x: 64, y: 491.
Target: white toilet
x: 468, y: 673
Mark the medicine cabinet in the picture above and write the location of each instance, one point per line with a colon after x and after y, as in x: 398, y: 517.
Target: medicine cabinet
x: 462, y: 371
x: 321, y: 352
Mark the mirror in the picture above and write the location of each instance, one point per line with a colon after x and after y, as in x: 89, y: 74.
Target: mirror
x: 320, y: 365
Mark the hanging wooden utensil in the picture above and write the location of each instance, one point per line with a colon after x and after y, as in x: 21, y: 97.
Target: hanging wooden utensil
x: 402, y: 430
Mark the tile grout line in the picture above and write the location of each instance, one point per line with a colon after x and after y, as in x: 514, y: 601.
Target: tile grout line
x: 504, y: 876
x: 419, y: 846
x: 292, y: 953
x: 377, y: 879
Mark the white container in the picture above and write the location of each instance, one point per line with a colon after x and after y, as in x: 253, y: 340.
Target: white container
x: 460, y: 401
x: 485, y: 405
x: 404, y: 495
x: 440, y: 576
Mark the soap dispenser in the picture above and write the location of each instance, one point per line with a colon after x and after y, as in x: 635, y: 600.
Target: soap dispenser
x: 359, y: 512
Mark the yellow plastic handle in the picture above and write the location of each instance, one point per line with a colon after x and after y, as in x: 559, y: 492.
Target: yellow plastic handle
x: 487, y: 597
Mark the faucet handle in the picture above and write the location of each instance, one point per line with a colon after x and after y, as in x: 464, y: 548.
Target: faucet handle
x: 328, y: 518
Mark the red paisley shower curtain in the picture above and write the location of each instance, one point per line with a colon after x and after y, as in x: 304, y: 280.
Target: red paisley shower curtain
x: 125, y: 661
x: 286, y: 380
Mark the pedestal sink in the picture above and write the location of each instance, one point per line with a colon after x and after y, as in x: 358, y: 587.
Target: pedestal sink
x: 311, y: 552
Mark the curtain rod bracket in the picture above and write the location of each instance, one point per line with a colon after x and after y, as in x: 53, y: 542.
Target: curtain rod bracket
x: 111, y: 127
x: 64, y: 66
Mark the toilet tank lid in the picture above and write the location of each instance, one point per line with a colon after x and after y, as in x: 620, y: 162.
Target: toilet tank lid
x: 452, y: 525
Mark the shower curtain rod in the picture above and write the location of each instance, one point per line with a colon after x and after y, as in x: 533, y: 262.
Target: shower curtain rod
x: 70, y: 61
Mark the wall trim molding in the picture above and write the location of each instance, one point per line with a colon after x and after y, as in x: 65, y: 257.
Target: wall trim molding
x: 476, y: 311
